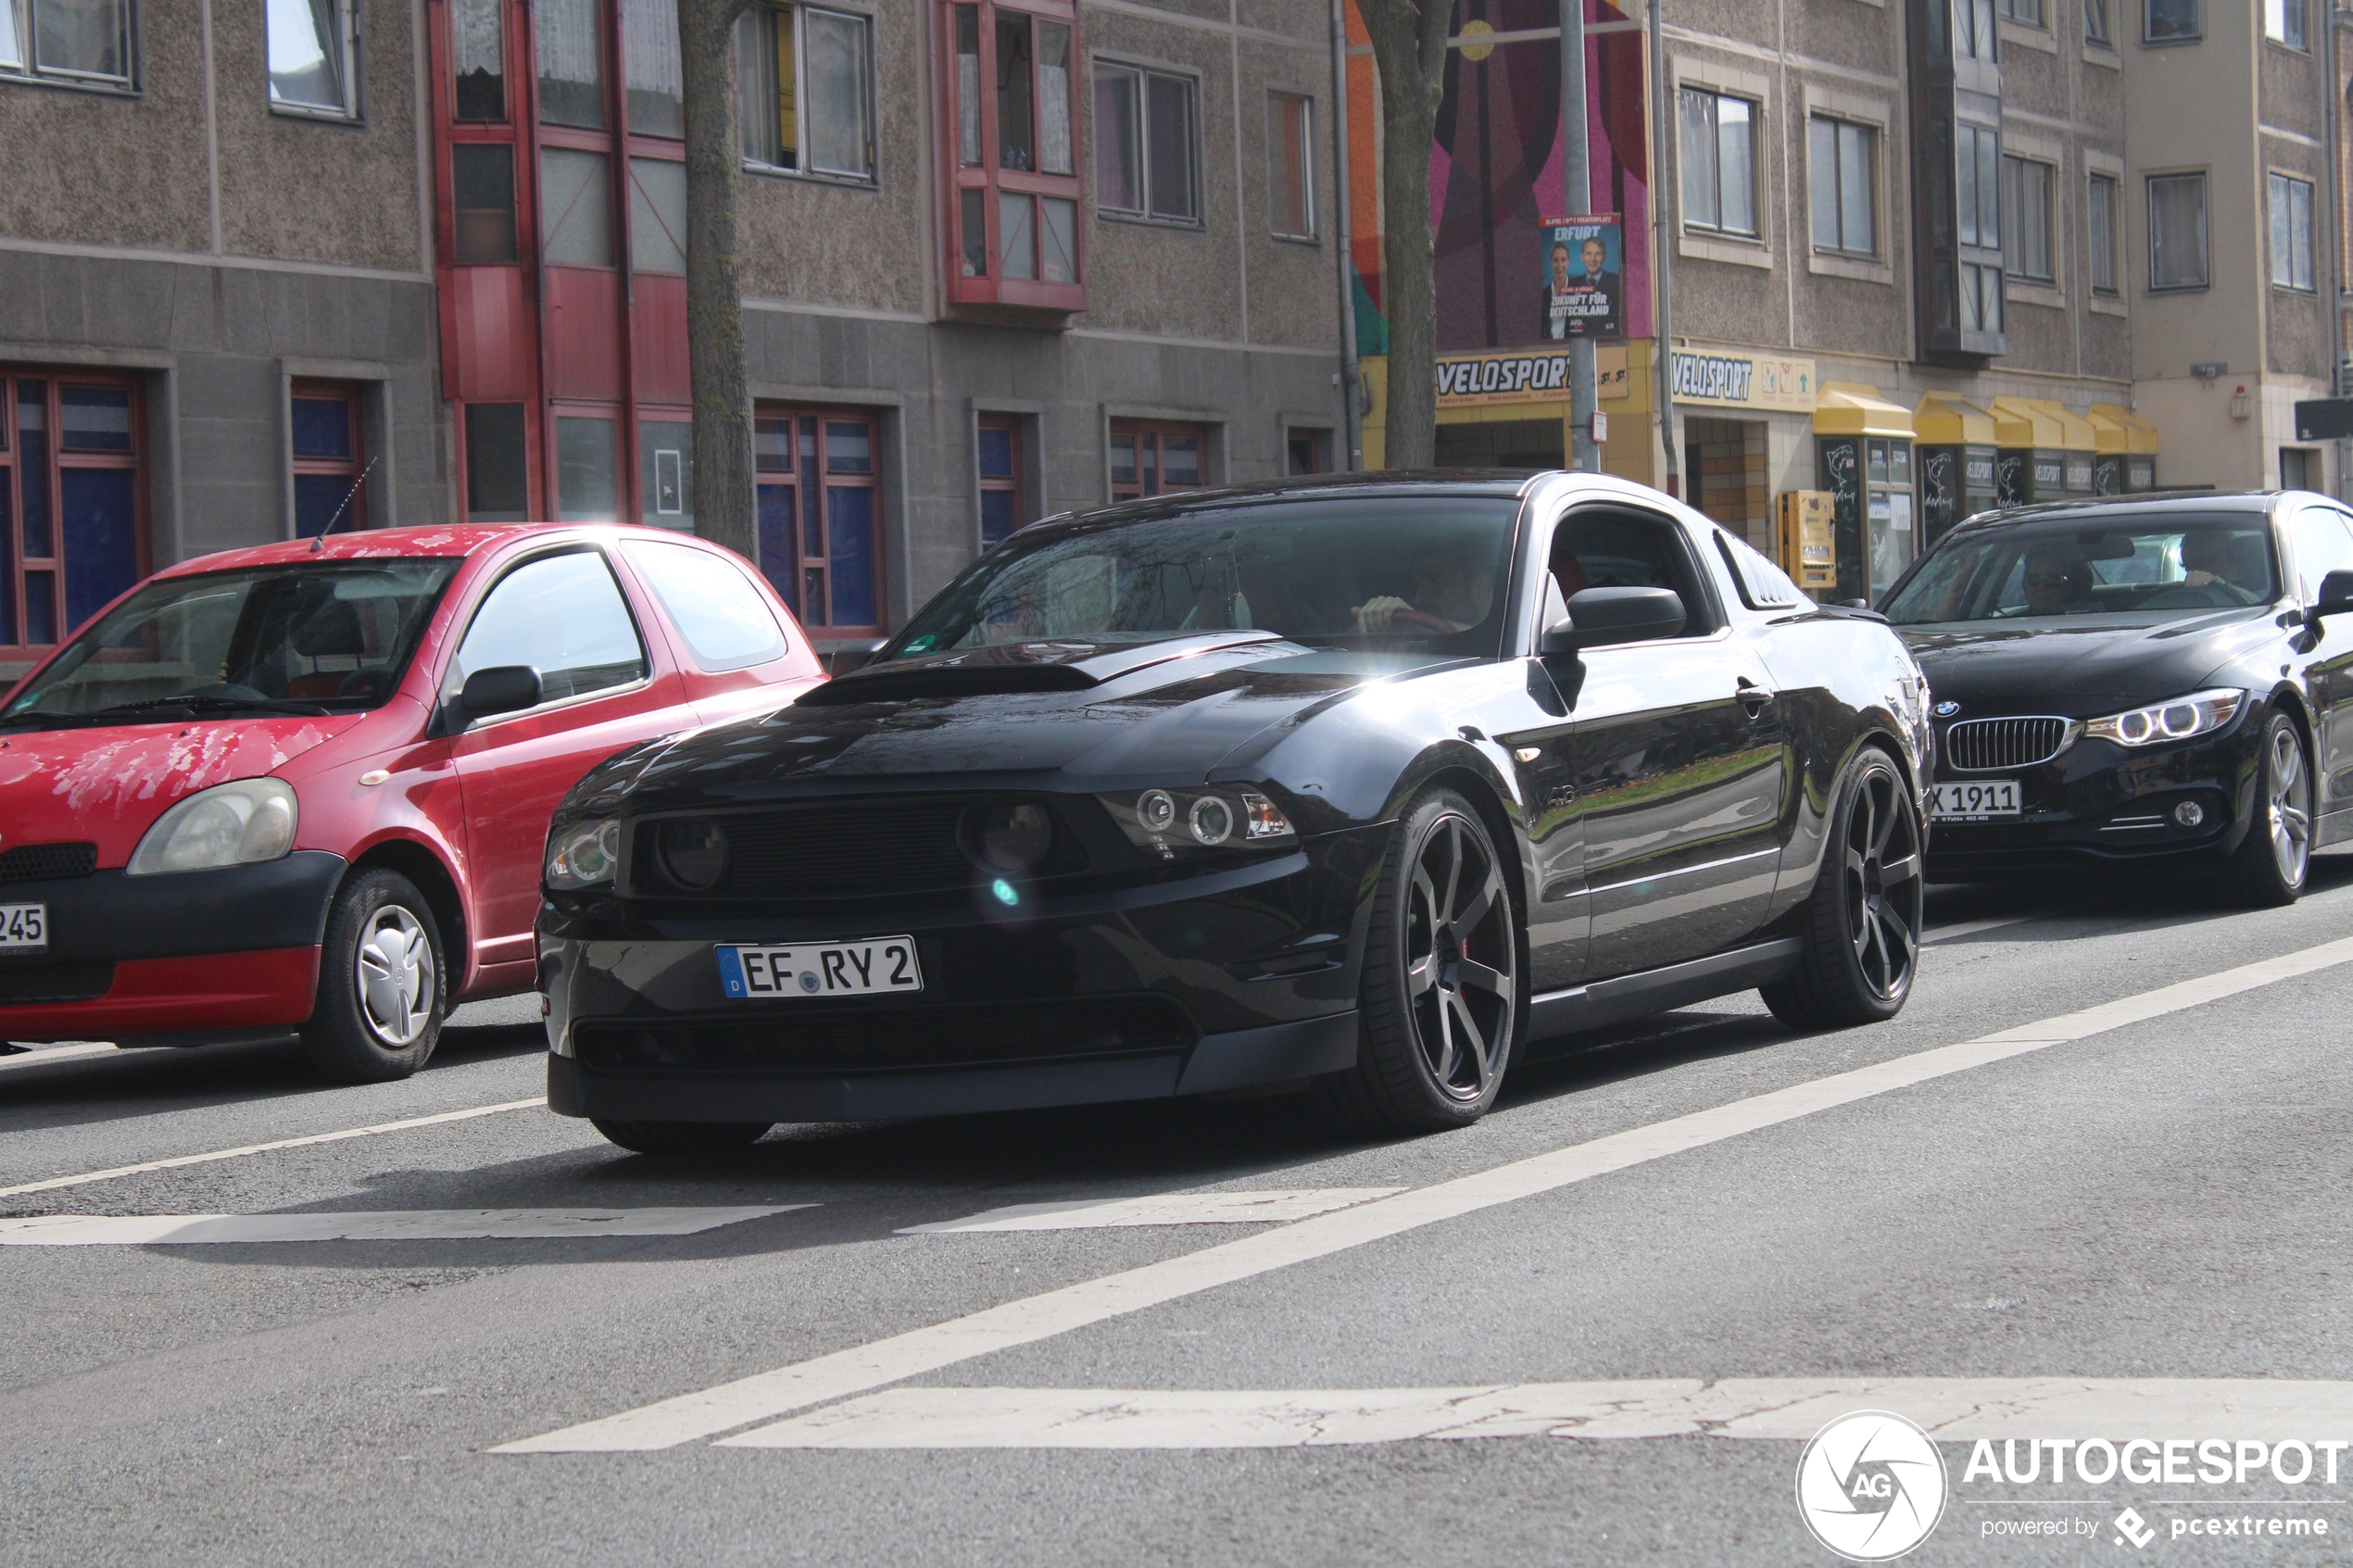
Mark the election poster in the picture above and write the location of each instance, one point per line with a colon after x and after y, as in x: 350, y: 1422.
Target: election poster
x: 1584, y: 276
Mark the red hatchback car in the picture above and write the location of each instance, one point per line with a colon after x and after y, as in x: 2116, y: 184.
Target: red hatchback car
x: 304, y: 788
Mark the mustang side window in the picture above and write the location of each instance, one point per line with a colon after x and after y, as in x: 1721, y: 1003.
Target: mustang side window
x: 564, y: 617
x: 1615, y: 550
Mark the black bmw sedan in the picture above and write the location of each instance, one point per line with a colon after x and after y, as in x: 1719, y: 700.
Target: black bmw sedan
x: 2159, y: 682
x: 1347, y: 786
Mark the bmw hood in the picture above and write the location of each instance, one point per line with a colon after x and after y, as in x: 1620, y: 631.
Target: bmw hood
x: 1165, y: 713
x: 2083, y: 667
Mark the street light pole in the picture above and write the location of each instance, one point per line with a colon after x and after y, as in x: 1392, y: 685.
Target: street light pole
x: 1577, y: 192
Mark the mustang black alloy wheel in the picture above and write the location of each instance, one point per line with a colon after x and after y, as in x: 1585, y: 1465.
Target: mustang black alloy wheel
x: 683, y: 1138
x: 2271, y: 865
x: 1440, y: 995
x: 381, y: 991
x: 1861, y: 924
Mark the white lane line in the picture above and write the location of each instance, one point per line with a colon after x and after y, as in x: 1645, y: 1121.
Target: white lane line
x: 1971, y: 927
x: 1950, y: 1409
x: 53, y: 1183
x: 1162, y: 1208
x: 381, y: 1224
x: 861, y: 1368
x: 41, y: 1056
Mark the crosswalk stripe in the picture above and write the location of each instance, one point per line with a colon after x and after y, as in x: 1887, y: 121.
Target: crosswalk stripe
x: 706, y: 1412
x: 377, y: 1224
x: 1948, y: 1408
x: 1162, y: 1208
x: 177, y: 1162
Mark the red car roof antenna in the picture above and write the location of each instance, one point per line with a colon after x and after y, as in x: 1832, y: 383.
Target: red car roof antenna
x: 319, y: 540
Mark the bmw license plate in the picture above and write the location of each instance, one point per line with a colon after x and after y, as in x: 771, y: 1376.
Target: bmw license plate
x: 24, y: 928
x: 821, y: 969
x: 1975, y: 801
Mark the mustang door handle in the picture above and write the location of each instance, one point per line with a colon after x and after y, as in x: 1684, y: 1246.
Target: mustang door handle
x: 1752, y: 697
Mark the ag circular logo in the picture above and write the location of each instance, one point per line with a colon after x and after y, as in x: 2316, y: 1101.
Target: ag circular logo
x: 1947, y: 709
x: 1871, y: 1485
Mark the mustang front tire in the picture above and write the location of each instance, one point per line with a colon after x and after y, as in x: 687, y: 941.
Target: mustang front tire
x: 1861, y: 924
x: 382, y: 994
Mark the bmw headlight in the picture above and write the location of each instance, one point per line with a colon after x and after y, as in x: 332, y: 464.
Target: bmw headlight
x: 1168, y: 822
x: 583, y: 854
x: 2177, y: 719
x: 231, y: 824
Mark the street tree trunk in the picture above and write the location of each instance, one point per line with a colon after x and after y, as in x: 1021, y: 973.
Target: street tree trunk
x: 722, y: 496
x: 1409, y: 51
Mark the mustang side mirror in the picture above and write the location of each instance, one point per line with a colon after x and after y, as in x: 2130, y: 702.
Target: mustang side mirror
x: 502, y: 688
x: 2336, y: 596
x: 1598, y: 617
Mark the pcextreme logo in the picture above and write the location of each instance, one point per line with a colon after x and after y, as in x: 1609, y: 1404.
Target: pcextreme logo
x: 1871, y: 1485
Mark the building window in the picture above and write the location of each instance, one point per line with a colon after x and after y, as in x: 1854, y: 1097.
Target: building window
x: 1977, y: 171
x: 1290, y: 164
x: 576, y: 208
x: 2100, y: 225
x: 478, y: 60
x: 1001, y: 509
x: 2028, y: 12
x: 2177, y: 231
x: 313, y: 55
x: 807, y: 92
x: 84, y: 43
x: 1719, y: 162
x: 2096, y: 23
x: 1147, y: 159
x: 568, y: 37
x: 820, y: 516
x: 497, y: 463
x: 1844, y: 156
x: 1152, y: 459
x: 657, y: 215
x: 2284, y: 22
x: 2291, y: 232
x: 482, y: 182
x: 2172, y: 21
x: 328, y: 459
x: 2299, y: 468
x: 653, y: 79
x: 1309, y: 450
x: 2026, y: 214
x: 1975, y: 37
x: 1010, y: 157
x: 71, y: 535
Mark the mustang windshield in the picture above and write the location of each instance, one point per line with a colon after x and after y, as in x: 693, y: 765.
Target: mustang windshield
x: 328, y: 638
x: 2163, y: 568
x: 1410, y: 573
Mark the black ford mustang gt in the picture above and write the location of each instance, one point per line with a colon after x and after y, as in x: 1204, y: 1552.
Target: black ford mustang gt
x: 1352, y: 784
x: 2163, y: 682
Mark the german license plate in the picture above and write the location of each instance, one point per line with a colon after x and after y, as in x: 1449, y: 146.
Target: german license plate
x: 24, y: 928
x: 821, y: 969
x: 1985, y: 797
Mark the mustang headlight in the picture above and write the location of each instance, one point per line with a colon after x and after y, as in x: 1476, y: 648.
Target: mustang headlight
x: 231, y: 825
x: 2177, y: 719
x: 583, y: 854
x: 1168, y: 822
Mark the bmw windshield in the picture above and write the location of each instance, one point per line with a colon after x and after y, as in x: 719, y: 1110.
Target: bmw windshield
x: 330, y: 638
x: 1406, y: 573
x: 2154, y: 569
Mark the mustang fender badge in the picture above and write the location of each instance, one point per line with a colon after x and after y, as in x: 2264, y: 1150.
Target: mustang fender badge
x: 1946, y: 710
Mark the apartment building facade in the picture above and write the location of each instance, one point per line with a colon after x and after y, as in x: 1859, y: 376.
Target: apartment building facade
x: 267, y: 265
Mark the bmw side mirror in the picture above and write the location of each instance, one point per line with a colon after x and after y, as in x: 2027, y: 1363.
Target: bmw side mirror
x: 1599, y: 617
x: 502, y: 688
x: 2336, y: 596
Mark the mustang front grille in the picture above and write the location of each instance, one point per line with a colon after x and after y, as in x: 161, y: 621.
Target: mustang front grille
x: 47, y: 863
x: 834, y: 850
x: 1976, y: 745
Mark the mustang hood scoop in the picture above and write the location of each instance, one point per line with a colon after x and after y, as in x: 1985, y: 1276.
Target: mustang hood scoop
x: 1008, y: 668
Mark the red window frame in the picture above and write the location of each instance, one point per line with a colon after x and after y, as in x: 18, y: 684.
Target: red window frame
x: 1007, y: 484
x: 22, y: 577
x: 1147, y: 443
x: 348, y: 468
x: 991, y: 183
x: 792, y: 453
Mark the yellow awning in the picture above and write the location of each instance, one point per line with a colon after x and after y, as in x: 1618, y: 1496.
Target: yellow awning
x: 2075, y: 431
x: 1846, y: 408
x: 2119, y: 430
x: 1947, y: 420
x: 2021, y: 421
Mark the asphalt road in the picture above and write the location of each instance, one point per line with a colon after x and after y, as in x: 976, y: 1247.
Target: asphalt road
x: 2031, y: 1237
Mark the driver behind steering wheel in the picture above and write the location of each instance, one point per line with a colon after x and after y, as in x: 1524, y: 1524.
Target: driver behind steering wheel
x: 1449, y: 595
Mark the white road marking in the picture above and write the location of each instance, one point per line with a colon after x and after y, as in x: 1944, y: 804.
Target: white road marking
x: 706, y: 1412
x: 52, y: 1183
x: 381, y: 1224
x: 42, y: 1054
x: 1162, y: 1209
x: 1971, y: 927
x: 1950, y: 1409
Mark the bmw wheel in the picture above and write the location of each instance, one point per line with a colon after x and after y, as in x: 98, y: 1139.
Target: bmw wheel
x: 1861, y: 924
x: 382, y: 993
x: 1440, y: 997
x: 2269, y: 867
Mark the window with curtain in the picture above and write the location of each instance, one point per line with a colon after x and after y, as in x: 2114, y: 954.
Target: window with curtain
x: 2100, y: 225
x: 311, y: 55
x: 651, y: 75
x: 2172, y: 21
x: 1719, y: 162
x: 2177, y: 231
x: 1146, y: 162
x: 1290, y: 164
x: 568, y: 39
x: 806, y: 91
x: 1844, y: 156
x: 2284, y: 22
x: 86, y: 43
x: 478, y: 59
x: 2291, y: 204
x: 2026, y: 218
x: 1013, y: 151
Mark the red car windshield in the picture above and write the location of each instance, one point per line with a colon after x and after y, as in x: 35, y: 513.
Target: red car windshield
x: 334, y: 637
